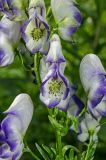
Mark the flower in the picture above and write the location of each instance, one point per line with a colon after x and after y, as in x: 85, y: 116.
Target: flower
x: 93, y: 78
x: 67, y: 17
x: 14, y: 126
x: 55, y: 88
x: 9, y: 38
x: 14, y: 9
x: 89, y: 127
x: 35, y: 30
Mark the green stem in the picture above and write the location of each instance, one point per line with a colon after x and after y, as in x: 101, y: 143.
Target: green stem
x: 91, y: 146
x: 36, y: 68
x: 59, y: 145
x: 48, y: 12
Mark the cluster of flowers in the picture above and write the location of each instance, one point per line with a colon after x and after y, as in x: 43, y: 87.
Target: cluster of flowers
x: 27, y: 21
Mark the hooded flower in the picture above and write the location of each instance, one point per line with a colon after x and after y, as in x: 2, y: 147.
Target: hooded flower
x: 14, y: 126
x: 93, y: 78
x: 67, y: 17
x: 35, y: 30
x: 88, y: 127
x: 14, y: 9
x: 9, y: 38
x: 55, y: 89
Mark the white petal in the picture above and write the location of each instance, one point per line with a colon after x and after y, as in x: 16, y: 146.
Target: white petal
x: 67, y: 27
x: 38, y: 5
x: 62, y: 9
x: 11, y: 29
x: 101, y: 107
x: 55, y: 53
x: 91, y: 123
x: 84, y: 135
x: 64, y: 103
x: 43, y: 68
x: 89, y: 66
x: 22, y: 106
x: 6, y: 51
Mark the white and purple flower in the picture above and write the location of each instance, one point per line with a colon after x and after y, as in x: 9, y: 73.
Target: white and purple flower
x: 14, y: 9
x: 67, y: 17
x: 35, y: 30
x: 88, y: 127
x: 55, y: 88
x: 14, y: 127
x: 9, y: 38
x: 93, y: 78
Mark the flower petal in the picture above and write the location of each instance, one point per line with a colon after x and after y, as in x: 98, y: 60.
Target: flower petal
x: 90, y: 67
x: 55, y: 53
x: 22, y: 107
x: 11, y: 29
x: 38, y: 5
x: 88, y: 125
x: 67, y: 21
x: 6, y: 51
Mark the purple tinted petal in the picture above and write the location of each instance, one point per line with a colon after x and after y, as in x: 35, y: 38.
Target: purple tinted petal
x: 23, y: 28
x: 2, y: 136
x: 10, y: 131
x: 42, y: 20
x: 78, y: 17
x: 5, y: 152
x: 2, y: 55
x: 79, y: 103
x: 54, y: 103
x: 44, y: 82
x: 71, y: 30
x: 66, y: 84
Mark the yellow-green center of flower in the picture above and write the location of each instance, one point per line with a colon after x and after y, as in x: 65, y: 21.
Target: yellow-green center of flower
x: 55, y: 87
x: 37, y: 33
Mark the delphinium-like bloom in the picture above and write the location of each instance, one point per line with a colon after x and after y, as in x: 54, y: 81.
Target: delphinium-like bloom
x: 14, y: 9
x: 93, y: 78
x: 35, y: 30
x: 14, y: 127
x: 55, y: 88
x: 67, y: 17
x: 89, y: 127
x: 9, y: 38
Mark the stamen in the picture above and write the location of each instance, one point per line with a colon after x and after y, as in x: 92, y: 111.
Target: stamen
x: 55, y: 87
x: 37, y: 33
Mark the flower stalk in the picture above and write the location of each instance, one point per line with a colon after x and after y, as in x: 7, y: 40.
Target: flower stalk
x: 59, y: 145
x: 36, y: 68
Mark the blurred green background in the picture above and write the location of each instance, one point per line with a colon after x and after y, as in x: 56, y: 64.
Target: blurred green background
x: 15, y: 79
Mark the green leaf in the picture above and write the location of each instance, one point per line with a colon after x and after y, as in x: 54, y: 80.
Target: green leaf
x: 83, y: 155
x: 71, y: 154
x: 55, y: 124
x: 48, y: 150
x: 42, y: 152
x: 54, y: 151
